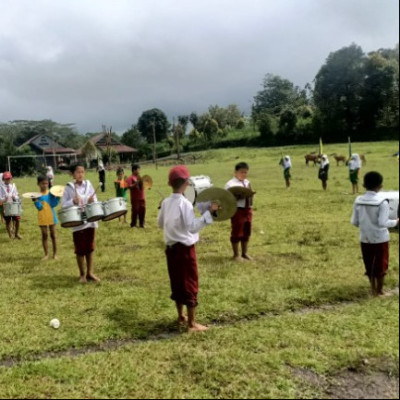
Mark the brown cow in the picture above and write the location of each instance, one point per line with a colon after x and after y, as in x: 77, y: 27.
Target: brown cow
x: 313, y: 158
x: 339, y: 159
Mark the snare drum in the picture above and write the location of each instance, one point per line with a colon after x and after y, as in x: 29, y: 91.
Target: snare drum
x: 114, y: 208
x: 13, y: 209
x: 197, y: 185
x: 94, y: 212
x: 70, y: 217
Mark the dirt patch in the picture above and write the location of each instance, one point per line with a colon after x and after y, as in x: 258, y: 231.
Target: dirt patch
x: 352, y: 384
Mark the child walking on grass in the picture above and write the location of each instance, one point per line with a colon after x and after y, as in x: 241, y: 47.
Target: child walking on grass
x: 371, y: 215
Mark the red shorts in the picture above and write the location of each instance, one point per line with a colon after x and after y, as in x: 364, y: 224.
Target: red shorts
x: 84, y: 241
x: 241, y: 225
x: 183, y: 274
x: 376, y: 259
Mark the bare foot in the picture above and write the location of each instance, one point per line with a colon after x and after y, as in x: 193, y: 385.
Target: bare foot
x: 247, y: 257
x: 82, y: 279
x: 385, y: 294
x: 238, y: 259
x: 182, y: 320
x: 198, y: 328
x: 19, y: 237
x: 55, y: 257
x: 45, y: 258
x: 92, y: 278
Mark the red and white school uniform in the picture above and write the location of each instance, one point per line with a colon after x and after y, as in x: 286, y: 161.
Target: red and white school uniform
x: 83, y: 235
x: 181, y: 233
x: 243, y: 219
x: 8, y: 194
x: 371, y: 215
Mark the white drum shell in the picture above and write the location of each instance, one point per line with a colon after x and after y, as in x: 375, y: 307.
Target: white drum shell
x: 94, y: 212
x: 70, y: 217
x: 13, y: 209
x: 197, y: 185
x: 114, y: 208
x: 393, y: 198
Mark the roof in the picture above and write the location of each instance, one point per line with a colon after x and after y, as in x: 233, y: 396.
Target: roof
x: 44, y: 143
x: 100, y: 141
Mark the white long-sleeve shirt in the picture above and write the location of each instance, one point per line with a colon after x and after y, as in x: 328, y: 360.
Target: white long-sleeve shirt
x: 371, y: 215
x: 84, y: 192
x: 179, y: 221
x: 8, y: 192
x: 236, y: 182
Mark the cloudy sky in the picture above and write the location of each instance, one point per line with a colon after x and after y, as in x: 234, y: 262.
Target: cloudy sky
x: 95, y: 62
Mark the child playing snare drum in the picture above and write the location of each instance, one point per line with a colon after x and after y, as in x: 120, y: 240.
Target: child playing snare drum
x: 79, y: 193
x: 9, y: 194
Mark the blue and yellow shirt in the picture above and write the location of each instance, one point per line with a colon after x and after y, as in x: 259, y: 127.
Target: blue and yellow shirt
x: 46, y: 205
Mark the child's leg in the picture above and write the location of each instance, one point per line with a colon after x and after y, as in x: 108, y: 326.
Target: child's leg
x: 90, y: 268
x: 287, y: 183
x: 134, y: 215
x: 193, y: 326
x: 182, y: 318
x: 8, y: 226
x: 17, y: 224
x: 81, y: 266
x: 53, y: 240
x: 379, y: 285
x: 245, y: 250
x: 142, y: 214
x: 45, y: 242
x: 236, y: 254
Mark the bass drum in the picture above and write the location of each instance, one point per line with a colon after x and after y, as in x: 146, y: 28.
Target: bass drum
x: 393, y: 198
x: 198, y: 184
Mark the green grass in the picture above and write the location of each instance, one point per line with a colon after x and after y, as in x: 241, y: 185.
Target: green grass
x: 306, y: 252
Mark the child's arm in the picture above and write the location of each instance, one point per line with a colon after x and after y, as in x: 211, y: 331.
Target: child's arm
x: 384, y: 220
x: 38, y: 205
x: 355, y: 219
x: 193, y: 224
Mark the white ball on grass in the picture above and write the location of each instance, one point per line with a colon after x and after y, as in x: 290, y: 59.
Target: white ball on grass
x: 55, y: 323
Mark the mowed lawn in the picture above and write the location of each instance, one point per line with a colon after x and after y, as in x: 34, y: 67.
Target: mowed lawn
x: 306, y: 256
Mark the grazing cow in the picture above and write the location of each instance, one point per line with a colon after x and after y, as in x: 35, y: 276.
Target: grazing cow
x: 339, y: 159
x: 312, y: 157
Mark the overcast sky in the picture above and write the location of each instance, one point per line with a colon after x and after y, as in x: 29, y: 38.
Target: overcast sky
x: 95, y: 62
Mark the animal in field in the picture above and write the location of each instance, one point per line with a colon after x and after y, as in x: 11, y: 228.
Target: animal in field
x: 339, y: 159
x: 312, y: 158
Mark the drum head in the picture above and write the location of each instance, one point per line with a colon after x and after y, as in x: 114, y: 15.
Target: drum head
x: 190, y: 194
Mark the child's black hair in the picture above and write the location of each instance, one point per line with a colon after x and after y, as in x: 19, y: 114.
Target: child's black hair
x: 178, y: 183
x: 135, y: 167
x: 42, y: 178
x: 119, y: 170
x: 242, y: 165
x: 373, y: 180
x: 74, y: 167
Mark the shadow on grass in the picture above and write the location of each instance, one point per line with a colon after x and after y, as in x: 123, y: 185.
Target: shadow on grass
x: 127, y: 319
x: 54, y: 282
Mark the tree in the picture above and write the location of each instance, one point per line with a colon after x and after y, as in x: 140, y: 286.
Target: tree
x: 264, y: 123
x: 287, y: 121
x: 183, y: 122
x: 160, y: 121
x: 133, y: 138
x: 194, y: 119
x: 339, y: 86
x: 278, y: 94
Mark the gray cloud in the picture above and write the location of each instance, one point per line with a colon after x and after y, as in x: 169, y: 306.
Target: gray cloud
x: 94, y: 62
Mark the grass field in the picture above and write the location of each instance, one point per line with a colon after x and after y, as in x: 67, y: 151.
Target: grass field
x: 287, y: 325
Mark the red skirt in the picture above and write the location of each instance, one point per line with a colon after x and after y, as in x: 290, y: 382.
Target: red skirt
x: 242, y: 225
x: 84, y: 241
x: 183, y: 274
x: 376, y: 259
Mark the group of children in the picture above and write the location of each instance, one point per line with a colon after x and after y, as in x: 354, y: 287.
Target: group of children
x: 354, y: 164
x: 181, y: 227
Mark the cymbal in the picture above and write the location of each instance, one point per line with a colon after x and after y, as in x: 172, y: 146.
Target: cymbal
x: 32, y: 195
x: 147, y: 182
x: 225, y: 199
x: 241, y: 192
x: 57, y: 191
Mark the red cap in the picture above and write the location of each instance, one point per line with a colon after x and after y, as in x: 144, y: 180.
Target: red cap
x: 180, y: 172
x: 7, y: 175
